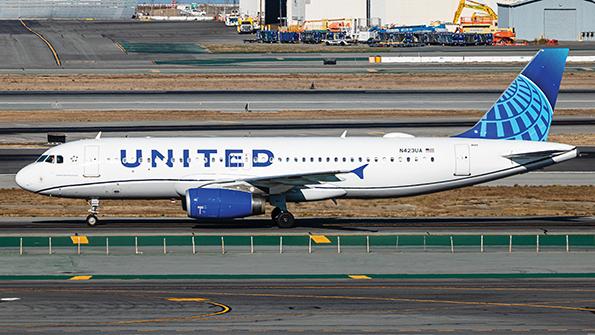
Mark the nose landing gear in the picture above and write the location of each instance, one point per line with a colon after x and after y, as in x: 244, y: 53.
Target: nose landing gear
x: 92, y: 219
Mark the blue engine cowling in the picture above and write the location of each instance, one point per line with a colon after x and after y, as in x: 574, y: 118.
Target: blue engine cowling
x: 220, y: 203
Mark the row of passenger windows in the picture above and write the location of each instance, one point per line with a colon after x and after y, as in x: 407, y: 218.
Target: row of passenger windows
x: 313, y: 159
x: 51, y: 159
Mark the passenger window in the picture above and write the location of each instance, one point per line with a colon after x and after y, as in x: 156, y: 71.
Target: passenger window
x: 59, y: 159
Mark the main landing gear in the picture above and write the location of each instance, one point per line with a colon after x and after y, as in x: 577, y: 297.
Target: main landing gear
x: 92, y: 219
x: 283, y: 218
x: 280, y: 215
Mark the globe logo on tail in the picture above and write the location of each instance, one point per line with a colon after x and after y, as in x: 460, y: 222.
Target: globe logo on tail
x: 521, y: 113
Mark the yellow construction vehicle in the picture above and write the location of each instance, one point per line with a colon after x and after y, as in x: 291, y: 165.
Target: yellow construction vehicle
x: 484, y: 22
x: 471, y: 4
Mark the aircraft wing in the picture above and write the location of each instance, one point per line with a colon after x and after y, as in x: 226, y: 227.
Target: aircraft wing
x: 283, y: 183
x: 276, y: 184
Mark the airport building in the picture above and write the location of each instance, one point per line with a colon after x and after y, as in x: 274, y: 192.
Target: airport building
x: 407, y: 12
x: 564, y: 20
x: 376, y: 12
x: 67, y: 9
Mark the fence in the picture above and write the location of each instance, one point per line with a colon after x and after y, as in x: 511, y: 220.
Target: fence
x: 217, y: 244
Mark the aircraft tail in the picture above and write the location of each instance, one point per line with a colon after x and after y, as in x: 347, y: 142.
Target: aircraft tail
x: 525, y: 110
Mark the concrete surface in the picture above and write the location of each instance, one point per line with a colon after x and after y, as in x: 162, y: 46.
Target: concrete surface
x: 296, y: 263
x: 230, y: 101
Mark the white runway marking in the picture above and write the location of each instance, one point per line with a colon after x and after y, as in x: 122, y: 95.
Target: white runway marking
x: 9, y: 299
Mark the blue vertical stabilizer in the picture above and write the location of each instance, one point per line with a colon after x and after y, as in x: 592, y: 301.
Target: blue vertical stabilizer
x: 524, y: 111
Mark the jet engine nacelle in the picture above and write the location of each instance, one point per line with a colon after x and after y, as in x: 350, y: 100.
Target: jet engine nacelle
x: 220, y: 203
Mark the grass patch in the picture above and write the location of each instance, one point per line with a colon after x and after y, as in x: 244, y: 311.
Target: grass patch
x: 163, y: 48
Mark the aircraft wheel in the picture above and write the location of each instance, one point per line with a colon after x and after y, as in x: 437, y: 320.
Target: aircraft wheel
x: 275, y: 213
x: 285, y: 220
x: 92, y: 220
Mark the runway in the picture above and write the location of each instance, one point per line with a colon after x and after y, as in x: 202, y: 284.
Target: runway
x: 282, y: 306
x: 147, y: 226
x: 230, y: 101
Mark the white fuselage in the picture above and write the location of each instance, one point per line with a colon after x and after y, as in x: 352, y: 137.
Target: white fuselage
x: 109, y: 168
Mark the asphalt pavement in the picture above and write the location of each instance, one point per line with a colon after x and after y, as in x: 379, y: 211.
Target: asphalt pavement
x: 40, y: 226
x: 96, y: 47
x: 462, y: 306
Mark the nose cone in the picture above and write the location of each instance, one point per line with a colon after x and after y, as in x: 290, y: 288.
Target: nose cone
x: 25, y: 178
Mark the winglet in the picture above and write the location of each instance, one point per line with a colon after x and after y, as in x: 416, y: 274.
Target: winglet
x: 344, y: 135
x: 98, y: 136
x: 360, y: 171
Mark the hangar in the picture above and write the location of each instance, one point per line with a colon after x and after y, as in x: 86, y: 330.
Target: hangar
x: 564, y: 20
x: 377, y: 12
x: 67, y: 9
x: 273, y: 11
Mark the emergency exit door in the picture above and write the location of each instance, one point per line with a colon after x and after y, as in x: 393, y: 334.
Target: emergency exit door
x: 91, y: 166
x: 462, y: 160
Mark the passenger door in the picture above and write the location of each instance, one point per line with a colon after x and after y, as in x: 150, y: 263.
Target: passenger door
x: 91, y: 166
x: 462, y: 160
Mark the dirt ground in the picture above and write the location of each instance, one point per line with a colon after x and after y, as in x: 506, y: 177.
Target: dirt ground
x: 186, y: 115
x: 157, y: 81
x: 471, y: 201
x: 572, y: 139
x: 155, y: 115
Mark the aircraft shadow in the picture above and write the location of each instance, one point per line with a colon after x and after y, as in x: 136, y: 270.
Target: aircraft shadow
x: 345, y: 224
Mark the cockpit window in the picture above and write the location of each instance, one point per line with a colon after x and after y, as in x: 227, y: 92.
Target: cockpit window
x: 51, y: 159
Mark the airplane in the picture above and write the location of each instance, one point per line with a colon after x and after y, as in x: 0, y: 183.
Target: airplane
x: 235, y: 177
